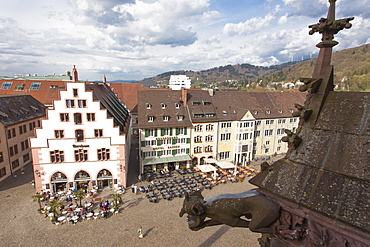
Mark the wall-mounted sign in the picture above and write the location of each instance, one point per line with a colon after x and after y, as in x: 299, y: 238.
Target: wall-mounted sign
x: 159, y: 148
x: 80, y: 146
x: 166, y: 138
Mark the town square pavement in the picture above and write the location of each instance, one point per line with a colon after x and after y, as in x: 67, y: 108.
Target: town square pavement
x: 21, y: 225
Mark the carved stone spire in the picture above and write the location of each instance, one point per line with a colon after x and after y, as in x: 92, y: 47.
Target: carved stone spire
x: 323, y: 73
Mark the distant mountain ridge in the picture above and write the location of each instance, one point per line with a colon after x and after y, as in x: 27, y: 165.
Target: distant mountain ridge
x: 239, y: 72
x: 352, y: 69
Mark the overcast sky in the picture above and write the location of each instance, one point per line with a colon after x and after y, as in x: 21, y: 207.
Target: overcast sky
x: 136, y: 39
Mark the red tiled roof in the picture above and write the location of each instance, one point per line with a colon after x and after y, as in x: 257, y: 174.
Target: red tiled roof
x: 48, y: 91
x: 127, y: 93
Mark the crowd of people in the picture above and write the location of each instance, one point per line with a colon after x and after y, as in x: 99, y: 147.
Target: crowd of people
x: 67, y: 207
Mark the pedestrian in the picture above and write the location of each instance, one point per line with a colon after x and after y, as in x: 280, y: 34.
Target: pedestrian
x: 139, y: 177
x: 140, y: 232
x: 133, y: 188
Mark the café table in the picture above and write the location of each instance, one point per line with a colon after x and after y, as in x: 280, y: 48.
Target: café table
x: 61, y: 218
x: 74, y: 218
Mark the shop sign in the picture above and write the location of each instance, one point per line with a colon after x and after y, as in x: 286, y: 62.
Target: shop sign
x: 166, y: 138
x: 80, y: 146
x: 171, y: 147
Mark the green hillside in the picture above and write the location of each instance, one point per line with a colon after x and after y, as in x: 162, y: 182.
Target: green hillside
x: 351, y: 72
x: 351, y: 69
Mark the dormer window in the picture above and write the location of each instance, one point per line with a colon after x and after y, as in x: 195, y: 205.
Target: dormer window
x: 291, y: 110
x: 166, y: 118
x: 206, y: 103
x: 177, y: 105
x: 148, y: 106
x: 180, y: 117
x: 268, y: 112
x: 75, y: 92
x: 255, y: 112
x: 224, y: 112
x: 280, y: 111
x: 163, y: 106
x: 196, y: 103
x: 150, y: 119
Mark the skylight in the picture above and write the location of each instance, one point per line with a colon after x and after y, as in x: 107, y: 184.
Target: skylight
x: 35, y: 86
x: 6, y: 85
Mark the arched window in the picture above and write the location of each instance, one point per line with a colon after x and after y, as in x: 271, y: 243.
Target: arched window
x: 104, y: 173
x: 58, y: 176
x: 82, y: 175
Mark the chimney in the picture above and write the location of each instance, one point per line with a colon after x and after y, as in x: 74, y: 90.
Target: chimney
x: 211, y: 92
x: 74, y: 74
x: 184, y: 97
x: 104, y: 79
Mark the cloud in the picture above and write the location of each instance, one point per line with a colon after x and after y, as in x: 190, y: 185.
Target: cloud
x: 252, y: 25
x: 349, y: 8
x: 311, y: 8
x: 163, y: 22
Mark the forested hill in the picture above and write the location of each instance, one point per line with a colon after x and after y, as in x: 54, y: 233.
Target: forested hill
x: 351, y: 69
x: 239, y: 72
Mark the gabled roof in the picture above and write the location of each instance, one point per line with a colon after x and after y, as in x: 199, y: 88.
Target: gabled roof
x: 233, y: 105
x: 19, y: 108
x: 155, y: 98
x: 108, y: 100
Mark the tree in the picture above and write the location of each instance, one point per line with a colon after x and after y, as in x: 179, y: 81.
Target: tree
x: 117, y: 200
x: 79, y: 195
x: 54, y: 206
x: 38, y: 198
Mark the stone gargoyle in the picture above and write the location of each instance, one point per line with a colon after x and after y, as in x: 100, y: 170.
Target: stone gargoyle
x: 259, y: 210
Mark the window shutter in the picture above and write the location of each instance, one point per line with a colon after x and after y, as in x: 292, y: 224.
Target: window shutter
x: 187, y: 150
x: 187, y: 140
x: 177, y: 131
x: 146, y: 132
x: 174, y: 151
x: 174, y: 141
x: 143, y: 155
x: 155, y: 132
x: 159, y: 153
x: 159, y: 142
x: 185, y: 130
x: 162, y: 132
x: 170, y: 131
x: 143, y: 143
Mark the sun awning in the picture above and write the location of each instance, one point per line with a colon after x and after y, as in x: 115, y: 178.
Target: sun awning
x: 225, y: 165
x: 210, y: 161
x: 166, y: 159
x: 207, y: 168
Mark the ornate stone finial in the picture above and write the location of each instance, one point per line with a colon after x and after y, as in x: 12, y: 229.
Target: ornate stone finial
x: 303, y: 113
x: 311, y: 85
x: 329, y: 26
x: 292, y: 139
